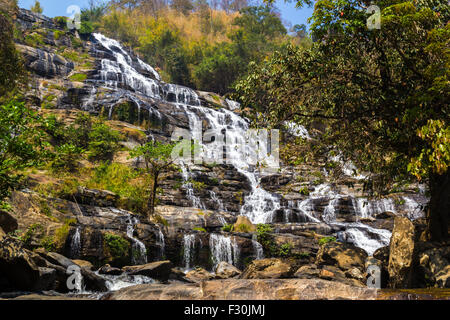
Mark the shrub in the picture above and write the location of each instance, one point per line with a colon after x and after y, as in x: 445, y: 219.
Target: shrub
x: 326, y: 240
x: 78, y: 77
x: 285, y: 250
x: 117, y: 246
x: 227, y: 228
x: 66, y: 157
x: 243, y: 228
x: 103, y: 142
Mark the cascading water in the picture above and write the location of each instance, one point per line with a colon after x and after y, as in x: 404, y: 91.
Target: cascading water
x: 188, y: 250
x: 196, y: 201
x: 75, y: 244
x: 215, y: 199
x: 259, y: 206
x: 139, y: 252
x: 258, y: 248
x: 161, y: 243
x: 223, y: 248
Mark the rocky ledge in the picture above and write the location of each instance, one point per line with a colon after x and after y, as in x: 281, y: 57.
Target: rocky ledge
x: 250, y: 289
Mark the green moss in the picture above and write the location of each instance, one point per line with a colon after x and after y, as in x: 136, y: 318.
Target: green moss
x: 78, y: 77
x: 34, y: 40
x: 326, y: 240
x: 243, y: 228
x: 199, y: 229
x: 227, y: 228
x: 58, y: 34
x: 304, y: 191
x: 49, y: 244
x: 28, y: 235
x: 118, y: 247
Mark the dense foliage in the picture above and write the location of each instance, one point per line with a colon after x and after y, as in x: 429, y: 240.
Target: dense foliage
x: 193, y: 44
x: 385, y: 91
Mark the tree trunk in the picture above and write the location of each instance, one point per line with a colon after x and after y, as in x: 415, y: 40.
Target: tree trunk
x: 439, y: 207
x: 152, y: 198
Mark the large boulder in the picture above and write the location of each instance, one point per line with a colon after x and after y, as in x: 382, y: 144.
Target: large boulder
x: 243, y: 224
x: 401, y: 253
x: 94, y: 197
x: 157, y: 270
x: 44, y: 63
x: 17, y: 268
x: 272, y: 268
x: 107, y: 269
x: 199, y: 275
x: 434, y: 264
x: 344, y: 256
x: 224, y: 270
x: 7, y: 222
x: 90, y: 280
x: 238, y: 289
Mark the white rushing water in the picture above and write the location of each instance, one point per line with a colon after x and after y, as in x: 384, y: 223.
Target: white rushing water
x: 188, y: 250
x: 260, y: 205
x: 75, y: 244
x: 139, y: 252
x: 223, y: 248
x: 161, y: 243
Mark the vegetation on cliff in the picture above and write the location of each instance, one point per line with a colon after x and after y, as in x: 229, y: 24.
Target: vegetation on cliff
x: 382, y: 95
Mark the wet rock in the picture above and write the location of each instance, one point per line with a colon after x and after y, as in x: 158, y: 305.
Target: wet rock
x: 434, y: 263
x: 225, y: 270
x: 7, y: 222
x: 344, y: 256
x: 307, y: 272
x: 243, y: 224
x: 99, y: 198
x: 157, y: 270
x: 44, y: 63
x: 107, y: 269
x: 84, y: 264
x: 268, y: 269
x: 17, y: 269
x: 233, y: 289
x: 401, y: 253
x: 199, y: 275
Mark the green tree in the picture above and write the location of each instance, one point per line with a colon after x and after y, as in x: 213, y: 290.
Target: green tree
x: 385, y: 91
x: 158, y: 160
x: 12, y: 73
x: 36, y: 8
x: 103, y: 142
x: 20, y: 144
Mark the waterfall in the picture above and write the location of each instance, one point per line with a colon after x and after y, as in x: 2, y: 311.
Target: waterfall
x: 223, y: 248
x: 260, y: 205
x: 161, y: 243
x: 368, y: 208
x: 188, y: 250
x: 329, y: 213
x: 75, y: 244
x: 412, y: 208
x: 196, y: 201
x: 120, y: 73
x: 359, y: 234
x: 215, y: 199
x: 306, y: 207
x: 139, y: 252
x: 258, y: 248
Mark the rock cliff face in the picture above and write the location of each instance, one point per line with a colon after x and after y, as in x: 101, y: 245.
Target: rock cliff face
x: 97, y: 74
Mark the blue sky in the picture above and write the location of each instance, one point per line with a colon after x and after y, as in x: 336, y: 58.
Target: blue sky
x: 53, y: 8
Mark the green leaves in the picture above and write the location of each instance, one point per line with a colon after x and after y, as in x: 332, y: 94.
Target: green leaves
x: 20, y: 143
x: 435, y: 155
x: 370, y: 90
